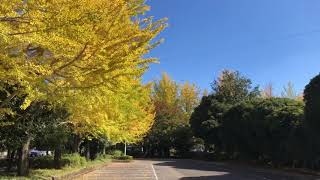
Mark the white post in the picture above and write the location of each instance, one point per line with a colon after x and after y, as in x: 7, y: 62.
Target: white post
x: 125, y: 148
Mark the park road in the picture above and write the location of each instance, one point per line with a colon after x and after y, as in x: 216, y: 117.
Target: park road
x: 183, y: 169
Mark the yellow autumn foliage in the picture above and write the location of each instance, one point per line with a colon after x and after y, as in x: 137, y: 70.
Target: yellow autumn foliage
x: 84, y: 53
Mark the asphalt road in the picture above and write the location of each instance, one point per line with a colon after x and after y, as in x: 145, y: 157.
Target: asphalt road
x: 187, y: 170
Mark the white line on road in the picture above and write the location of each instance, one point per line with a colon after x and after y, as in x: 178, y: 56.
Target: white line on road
x: 154, y: 172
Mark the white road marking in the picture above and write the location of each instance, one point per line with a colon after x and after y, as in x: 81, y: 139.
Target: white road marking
x: 154, y: 172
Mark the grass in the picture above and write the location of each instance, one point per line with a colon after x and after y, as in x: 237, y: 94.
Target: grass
x: 47, y: 173
x: 13, y: 178
x: 66, y: 170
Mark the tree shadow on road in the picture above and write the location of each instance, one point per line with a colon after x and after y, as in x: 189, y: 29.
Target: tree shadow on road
x: 223, y: 177
x: 199, y: 170
x: 194, y: 165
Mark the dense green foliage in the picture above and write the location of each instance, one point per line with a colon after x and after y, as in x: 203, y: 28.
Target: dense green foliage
x: 263, y: 129
x: 69, y: 160
x: 235, y: 122
x: 71, y: 163
x: 312, y: 100
x: 230, y: 88
x: 312, y: 119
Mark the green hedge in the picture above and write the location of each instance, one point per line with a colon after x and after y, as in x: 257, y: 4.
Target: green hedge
x: 103, y: 156
x: 118, y: 155
x: 47, y: 162
x: 73, y: 160
x: 128, y: 158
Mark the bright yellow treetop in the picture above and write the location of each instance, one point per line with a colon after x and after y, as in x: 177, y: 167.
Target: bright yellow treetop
x: 87, y: 54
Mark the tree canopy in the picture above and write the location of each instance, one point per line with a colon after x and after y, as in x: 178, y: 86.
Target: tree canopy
x: 174, y: 104
x: 80, y: 53
x: 87, y: 56
x: 228, y: 89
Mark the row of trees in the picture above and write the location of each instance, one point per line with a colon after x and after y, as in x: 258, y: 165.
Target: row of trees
x: 72, y: 70
x: 236, y: 121
x: 174, y: 104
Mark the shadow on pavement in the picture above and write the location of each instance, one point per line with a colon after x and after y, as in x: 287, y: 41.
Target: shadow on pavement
x: 194, y: 165
x: 231, y: 177
x: 198, y: 170
x: 223, y: 177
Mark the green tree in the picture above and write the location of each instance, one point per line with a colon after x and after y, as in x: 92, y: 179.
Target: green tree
x: 40, y: 118
x: 312, y: 101
x: 54, y: 132
x: 232, y: 87
x: 312, y: 115
x: 228, y: 89
x: 200, y: 115
x: 263, y: 129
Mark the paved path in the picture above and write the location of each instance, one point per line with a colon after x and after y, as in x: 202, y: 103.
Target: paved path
x: 186, y: 170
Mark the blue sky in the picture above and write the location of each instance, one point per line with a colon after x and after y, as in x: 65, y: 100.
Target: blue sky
x: 269, y: 41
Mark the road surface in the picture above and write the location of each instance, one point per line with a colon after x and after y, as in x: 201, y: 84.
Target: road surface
x: 187, y: 170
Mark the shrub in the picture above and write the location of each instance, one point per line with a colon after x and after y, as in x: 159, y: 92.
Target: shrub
x: 124, y: 158
x: 312, y: 101
x: 116, y: 153
x: 3, y: 162
x: 47, y: 162
x: 73, y: 160
x: 103, y: 156
x: 44, y: 162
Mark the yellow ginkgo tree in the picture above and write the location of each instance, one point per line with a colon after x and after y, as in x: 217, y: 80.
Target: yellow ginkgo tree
x: 121, y: 116
x: 86, y: 54
x: 50, y: 47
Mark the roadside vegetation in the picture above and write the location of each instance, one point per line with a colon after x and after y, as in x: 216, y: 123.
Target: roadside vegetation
x: 71, y: 87
x: 236, y: 121
x: 43, y: 167
x: 71, y: 163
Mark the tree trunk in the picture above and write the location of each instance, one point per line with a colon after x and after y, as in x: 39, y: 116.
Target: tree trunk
x: 168, y: 152
x: 88, y: 150
x: 23, y: 162
x: 10, y: 157
x: 162, y: 154
x: 8, y: 153
x: 125, y: 148
x: 76, y: 144
x: 104, y: 149
x: 57, y: 157
x: 152, y: 152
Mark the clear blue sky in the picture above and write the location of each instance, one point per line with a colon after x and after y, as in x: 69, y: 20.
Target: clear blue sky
x: 266, y: 40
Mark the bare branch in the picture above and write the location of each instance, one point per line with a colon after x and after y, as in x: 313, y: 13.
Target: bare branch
x: 80, y: 54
